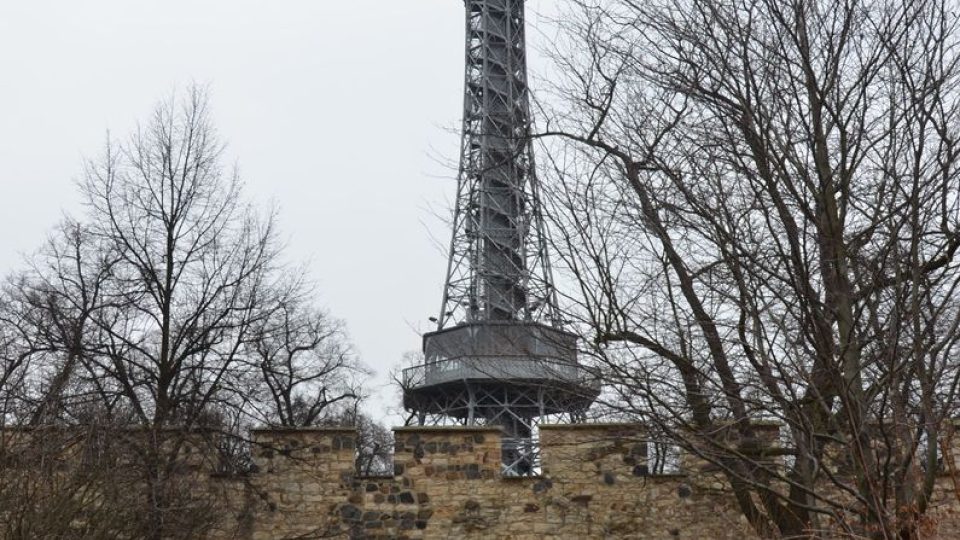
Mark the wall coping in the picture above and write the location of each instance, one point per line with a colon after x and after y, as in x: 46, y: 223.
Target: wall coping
x: 285, y: 430
x: 499, y: 429
x: 447, y: 429
x: 599, y: 425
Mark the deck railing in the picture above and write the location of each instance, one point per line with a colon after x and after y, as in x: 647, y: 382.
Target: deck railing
x: 499, y: 368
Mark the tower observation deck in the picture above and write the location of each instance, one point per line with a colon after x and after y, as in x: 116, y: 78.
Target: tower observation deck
x: 499, y: 355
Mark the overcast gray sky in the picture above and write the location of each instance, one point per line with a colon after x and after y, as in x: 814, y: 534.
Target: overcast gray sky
x: 338, y: 111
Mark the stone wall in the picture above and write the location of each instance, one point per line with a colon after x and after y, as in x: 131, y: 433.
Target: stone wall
x: 447, y: 484
x: 594, y: 482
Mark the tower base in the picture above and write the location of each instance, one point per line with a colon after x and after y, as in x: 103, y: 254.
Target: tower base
x: 509, y: 374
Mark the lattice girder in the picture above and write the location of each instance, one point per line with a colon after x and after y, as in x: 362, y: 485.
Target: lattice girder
x: 498, y: 264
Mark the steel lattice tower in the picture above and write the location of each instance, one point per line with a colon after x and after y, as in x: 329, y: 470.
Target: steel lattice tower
x: 498, y: 356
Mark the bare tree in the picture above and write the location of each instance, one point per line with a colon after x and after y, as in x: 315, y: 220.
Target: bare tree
x: 64, y: 483
x: 759, y: 202
x: 194, y: 263
x: 305, y: 362
x: 16, y: 354
x: 166, y: 317
x: 50, y: 309
x: 191, y: 279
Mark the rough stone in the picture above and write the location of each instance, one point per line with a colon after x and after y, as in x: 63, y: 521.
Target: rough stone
x: 582, y: 500
x: 349, y: 511
x: 542, y: 485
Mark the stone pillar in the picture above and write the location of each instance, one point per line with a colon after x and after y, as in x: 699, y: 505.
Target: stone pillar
x: 593, y: 478
x: 304, y: 481
x: 447, y: 480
